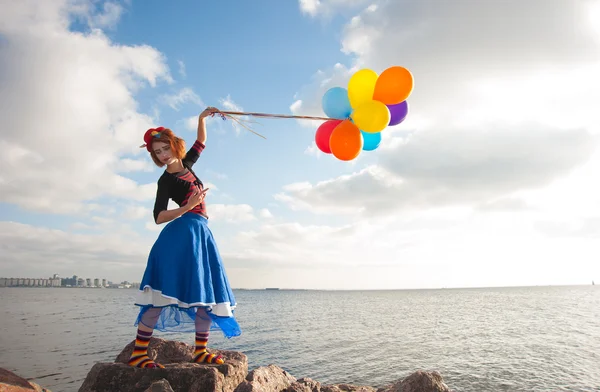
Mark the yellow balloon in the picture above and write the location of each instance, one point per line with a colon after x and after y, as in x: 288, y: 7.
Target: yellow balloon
x: 361, y: 87
x: 372, y: 116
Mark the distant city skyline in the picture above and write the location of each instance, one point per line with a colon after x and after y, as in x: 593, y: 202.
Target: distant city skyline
x: 57, y: 281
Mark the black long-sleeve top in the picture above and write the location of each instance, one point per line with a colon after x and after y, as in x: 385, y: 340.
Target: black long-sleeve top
x: 179, y: 186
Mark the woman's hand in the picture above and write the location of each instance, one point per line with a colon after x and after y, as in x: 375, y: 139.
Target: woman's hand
x: 209, y: 111
x: 196, y: 198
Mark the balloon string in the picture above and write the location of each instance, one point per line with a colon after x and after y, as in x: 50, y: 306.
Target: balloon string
x: 268, y: 115
x: 244, y: 123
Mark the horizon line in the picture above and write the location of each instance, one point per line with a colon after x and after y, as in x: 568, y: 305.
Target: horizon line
x: 415, y: 288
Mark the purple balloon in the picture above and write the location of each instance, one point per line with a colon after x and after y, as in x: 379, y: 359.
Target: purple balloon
x: 398, y: 112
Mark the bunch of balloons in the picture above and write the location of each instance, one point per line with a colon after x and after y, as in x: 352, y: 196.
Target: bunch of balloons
x: 358, y: 114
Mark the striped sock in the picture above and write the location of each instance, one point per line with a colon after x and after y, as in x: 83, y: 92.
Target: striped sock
x: 139, y: 356
x: 200, y: 353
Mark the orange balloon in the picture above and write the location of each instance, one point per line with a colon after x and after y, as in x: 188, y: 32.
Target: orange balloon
x: 346, y: 141
x: 393, y: 86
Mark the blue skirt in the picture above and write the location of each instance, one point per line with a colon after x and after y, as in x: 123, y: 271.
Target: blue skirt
x: 185, y: 272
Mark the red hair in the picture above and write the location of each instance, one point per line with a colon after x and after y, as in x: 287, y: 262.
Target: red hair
x: 164, y: 135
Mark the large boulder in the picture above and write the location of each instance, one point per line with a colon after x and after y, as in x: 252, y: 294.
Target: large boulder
x: 419, y: 381
x: 272, y: 378
x: 179, y: 374
x: 304, y: 385
x: 160, y: 386
x: 266, y: 379
x: 10, y: 382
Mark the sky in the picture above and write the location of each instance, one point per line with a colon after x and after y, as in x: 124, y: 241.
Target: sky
x: 492, y: 180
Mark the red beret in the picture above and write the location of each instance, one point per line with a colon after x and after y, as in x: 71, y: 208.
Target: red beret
x: 150, y: 133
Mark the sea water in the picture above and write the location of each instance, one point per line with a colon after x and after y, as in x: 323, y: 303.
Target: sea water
x: 487, y: 339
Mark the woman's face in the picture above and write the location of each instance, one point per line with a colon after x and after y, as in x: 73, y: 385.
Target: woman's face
x: 163, y: 152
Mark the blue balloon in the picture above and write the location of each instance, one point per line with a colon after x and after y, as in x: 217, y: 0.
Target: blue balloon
x: 336, y: 103
x: 370, y: 140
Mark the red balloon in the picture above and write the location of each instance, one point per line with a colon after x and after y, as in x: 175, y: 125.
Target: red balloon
x: 323, y: 135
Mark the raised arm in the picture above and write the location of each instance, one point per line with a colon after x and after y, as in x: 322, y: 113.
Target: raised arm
x: 209, y: 111
x: 194, y: 152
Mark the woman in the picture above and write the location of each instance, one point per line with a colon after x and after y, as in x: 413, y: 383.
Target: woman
x: 185, y: 287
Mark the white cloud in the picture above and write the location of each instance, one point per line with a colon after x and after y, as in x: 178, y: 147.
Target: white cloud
x: 360, y: 36
x: 309, y: 6
x: 295, y: 106
x: 213, y: 124
x: 80, y: 226
x: 108, y: 18
x: 451, y: 249
x: 132, y: 165
x: 265, y: 214
x: 229, y: 105
x: 86, y: 124
x: 153, y: 227
x: 114, y: 254
x: 593, y: 12
x: 134, y: 212
x: 217, y: 175
x: 325, y: 8
x: 190, y: 123
x: 227, y: 196
x: 313, y: 150
x: 181, y: 65
x: 184, y: 95
x: 212, y: 186
x: 444, y: 167
x: 231, y: 213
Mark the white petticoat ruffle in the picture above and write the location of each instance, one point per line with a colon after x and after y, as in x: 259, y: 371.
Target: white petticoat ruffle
x: 149, y: 296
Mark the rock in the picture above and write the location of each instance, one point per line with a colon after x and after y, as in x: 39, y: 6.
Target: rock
x: 270, y: 378
x: 419, y: 381
x: 10, y: 382
x: 304, y: 385
x: 160, y: 386
x: 309, y: 385
x: 179, y: 373
x: 161, y: 351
